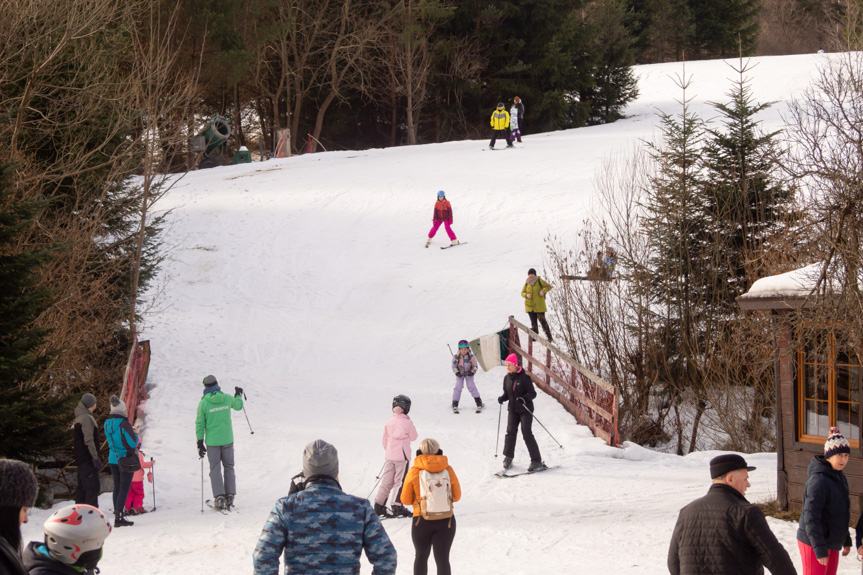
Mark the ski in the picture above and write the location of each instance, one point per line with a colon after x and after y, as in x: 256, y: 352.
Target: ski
x: 503, y: 473
x: 500, y: 149
x: 210, y: 504
x: 453, y: 245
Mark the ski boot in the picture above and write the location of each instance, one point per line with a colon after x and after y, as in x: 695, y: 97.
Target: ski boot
x: 507, y: 462
x: 382, y: 511
x: 131, y: 511
x: 428, y: 242
x: 139, y: 511
x: 455, y: 407
x: 229, y: 500
x: 401, y: 511
x: 479, y: 404
x: 220, y: 503
x: 537, y: 466
x: 454, y: 243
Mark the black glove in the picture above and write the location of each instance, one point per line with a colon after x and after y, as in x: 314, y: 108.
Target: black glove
x: 501, y: 399
x: 97, y: 463
x: 201, y: 449
x: 472, y: 373
x: 238, y: 391
x: 459, y: 374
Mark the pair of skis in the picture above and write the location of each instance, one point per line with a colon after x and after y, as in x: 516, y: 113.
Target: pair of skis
x: 451, y: 245
x: 503, y: 472
x: 212, y: 506
x: 456, y: 411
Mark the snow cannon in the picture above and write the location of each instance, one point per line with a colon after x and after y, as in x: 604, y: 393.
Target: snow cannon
x: 211, y: 142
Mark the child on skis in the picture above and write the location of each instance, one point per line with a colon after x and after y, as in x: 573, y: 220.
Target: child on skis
x: 135, y: 499
x: 464, y: 366
x: 442, y: 215
x: 399, y: 431
x: 516, y: 119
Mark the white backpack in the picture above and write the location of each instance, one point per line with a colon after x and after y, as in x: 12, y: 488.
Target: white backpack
x: 435, y: 495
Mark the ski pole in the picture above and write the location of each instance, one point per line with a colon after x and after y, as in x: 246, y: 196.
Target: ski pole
x: 153, y: 473
x: 497, y: 439
x: 246, y: 414
x: 202, y: 484
x: 378, y: 479
x: 450, y: 350
x: 521, y: 399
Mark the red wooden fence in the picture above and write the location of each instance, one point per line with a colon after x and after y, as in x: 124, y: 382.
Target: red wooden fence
x: 133, y: 394
x: 592, y: 400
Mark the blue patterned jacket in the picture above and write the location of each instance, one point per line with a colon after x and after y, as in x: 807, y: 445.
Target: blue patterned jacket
x: 322, y: 531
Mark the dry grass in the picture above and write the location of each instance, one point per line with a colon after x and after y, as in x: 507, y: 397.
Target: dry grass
x: 771, y: 509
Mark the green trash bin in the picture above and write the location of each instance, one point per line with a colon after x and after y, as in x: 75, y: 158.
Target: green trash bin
x: 243, y: 156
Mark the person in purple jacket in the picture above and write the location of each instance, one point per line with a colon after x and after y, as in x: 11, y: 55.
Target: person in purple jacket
x: 399, y: 431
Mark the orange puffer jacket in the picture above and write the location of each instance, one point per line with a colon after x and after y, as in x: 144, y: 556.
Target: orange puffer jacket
x: 442, y: 211
x: 433, y: 464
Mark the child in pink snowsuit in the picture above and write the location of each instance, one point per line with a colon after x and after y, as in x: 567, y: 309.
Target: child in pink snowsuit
x: 442, y: 215
x: 399, y: 431
x: 135, y: 499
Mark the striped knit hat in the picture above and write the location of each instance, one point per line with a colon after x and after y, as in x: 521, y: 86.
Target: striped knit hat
x: 835, y: 443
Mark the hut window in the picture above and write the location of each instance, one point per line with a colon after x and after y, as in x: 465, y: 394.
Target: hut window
x: 828, y: 389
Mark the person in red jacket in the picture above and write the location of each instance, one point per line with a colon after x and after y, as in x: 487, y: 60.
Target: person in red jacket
x: 442, y: 215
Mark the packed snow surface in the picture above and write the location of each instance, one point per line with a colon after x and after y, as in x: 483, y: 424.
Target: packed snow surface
x: 305, y: 281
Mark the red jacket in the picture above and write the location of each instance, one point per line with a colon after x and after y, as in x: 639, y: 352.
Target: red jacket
x: 442, y: 211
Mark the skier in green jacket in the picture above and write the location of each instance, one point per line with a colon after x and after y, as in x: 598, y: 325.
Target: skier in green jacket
x: 214, y: 424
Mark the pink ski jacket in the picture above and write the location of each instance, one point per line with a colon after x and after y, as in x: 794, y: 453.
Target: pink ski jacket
x: 139, y: 475
x: 399, y: 431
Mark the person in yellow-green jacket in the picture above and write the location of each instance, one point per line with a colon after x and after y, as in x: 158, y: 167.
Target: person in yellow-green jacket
x: 500, y: 125
x: 534, y: 291
x: 213, y: 426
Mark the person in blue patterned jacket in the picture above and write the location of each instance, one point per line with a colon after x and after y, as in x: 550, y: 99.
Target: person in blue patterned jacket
x: 321, y: 529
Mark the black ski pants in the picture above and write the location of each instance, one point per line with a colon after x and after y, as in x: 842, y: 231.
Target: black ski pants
x: 539, y: 316
x: 512, y: 423
x: 434, y: 535
x: 87, y: 491
x: 122, y: 483
x: 502, y: 134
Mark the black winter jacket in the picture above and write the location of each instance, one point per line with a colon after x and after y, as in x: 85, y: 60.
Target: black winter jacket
x: 826, y: 511
x: 723, y: 534
x: 86, y: 435
x: 39, y: 564
x: 518, y: 390
x: 10, y: 563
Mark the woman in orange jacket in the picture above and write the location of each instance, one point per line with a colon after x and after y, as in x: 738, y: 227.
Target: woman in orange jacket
x: 434, y: 527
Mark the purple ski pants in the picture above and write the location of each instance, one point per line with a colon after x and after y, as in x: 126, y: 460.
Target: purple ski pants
x: 459, y: 385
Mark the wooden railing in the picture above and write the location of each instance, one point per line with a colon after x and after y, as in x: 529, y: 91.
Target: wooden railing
x: 133, y: 393
x: 592, y: 400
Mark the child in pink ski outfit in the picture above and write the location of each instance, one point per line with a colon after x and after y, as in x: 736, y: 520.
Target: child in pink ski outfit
x: 135, y: 499
x: 399, y: 431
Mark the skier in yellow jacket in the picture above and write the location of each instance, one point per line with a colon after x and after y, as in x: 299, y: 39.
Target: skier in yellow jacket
x: 500, y: 125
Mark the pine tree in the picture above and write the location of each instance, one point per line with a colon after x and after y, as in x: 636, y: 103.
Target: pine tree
x: 746, y: 199
x: 31, y: 423
x: 724, y: 27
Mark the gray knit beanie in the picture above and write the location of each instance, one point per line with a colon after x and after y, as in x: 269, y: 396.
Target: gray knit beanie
x: 89, y: 400
x: 17, y: 484
x: 320, y: 458
x: 210, y: 380
x: 118, y: 407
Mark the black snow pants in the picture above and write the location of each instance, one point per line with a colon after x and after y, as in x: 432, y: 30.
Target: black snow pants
x: 526, y: 421
x: 434, y: 535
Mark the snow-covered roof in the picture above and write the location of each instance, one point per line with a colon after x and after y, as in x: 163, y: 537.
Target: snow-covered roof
x: 796, y: 283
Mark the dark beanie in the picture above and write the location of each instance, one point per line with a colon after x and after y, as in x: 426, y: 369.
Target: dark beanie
x: 210, y: 380
x: 17, y: 484
x: 531, y: 272
x: 727, y: 463
x: 89, y: 400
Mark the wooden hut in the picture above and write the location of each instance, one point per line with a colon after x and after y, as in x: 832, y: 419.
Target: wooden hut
x: 818, y: 385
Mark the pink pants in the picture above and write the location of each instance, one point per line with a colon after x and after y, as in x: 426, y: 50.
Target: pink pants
x: 446, y: 225
x: 394, y: 472
x: 136, y: 495
x: 811, y: 566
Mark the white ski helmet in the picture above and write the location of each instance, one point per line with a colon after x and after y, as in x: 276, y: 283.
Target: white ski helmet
x: 74, y: 535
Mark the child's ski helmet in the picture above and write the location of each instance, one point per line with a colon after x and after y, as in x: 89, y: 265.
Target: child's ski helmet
x: 500, y: 105
x: 440, y: 194
x: 463, y: 343
x: 74, y: 535
x: 402, y: 401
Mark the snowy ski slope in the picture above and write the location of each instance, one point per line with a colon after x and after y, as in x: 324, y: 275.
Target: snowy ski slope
x: 305, y: 281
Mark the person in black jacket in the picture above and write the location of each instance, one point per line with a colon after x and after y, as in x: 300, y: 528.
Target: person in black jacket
x: 722, y: 533
x: 826, y: 512
x: 86, y: 434
x: 518, y: 390
x: 17, y: 495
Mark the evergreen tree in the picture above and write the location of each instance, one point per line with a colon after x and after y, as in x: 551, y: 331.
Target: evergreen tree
x: 32, y: 423
x: 724, y: 27
x: 746, y: 199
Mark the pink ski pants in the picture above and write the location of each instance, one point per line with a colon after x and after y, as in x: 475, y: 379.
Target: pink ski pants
x: 394, y: 472
x: 447, y: 226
